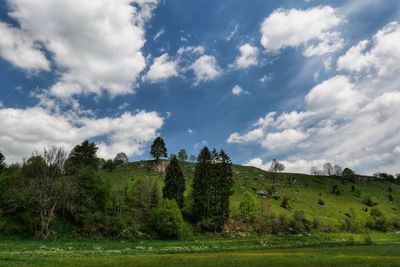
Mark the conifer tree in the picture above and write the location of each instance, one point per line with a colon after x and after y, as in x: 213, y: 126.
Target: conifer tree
x: 158, y: 149
x: 174, y: 182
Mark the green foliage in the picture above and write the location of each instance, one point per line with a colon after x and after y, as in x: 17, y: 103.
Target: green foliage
x: 121, y: 159
x: 144, y: 195
x: 249, y: 207
x: 2, y: 163
x: 108, y: 165
x: 348, y: 175
x: 83, y: 155
x: 158, y: 149
x: 167, y: 220
x: 174, y: 182
x: 378, y: 221
x: 300, y: 224
x: 349, y: 222
x: 182, y: 155
x: 335, y: 189
x: 321, y: 202
x: 370, y: 201
x: 285, y: 203
x: 211, y: 189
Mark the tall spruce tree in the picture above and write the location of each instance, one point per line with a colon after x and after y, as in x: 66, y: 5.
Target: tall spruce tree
x: 158, y: 149
x: 201, y: 187
x: 212, y: 187
x: 174, y: 182
x: 2, y: 163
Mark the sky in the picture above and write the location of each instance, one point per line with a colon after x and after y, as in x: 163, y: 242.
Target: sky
x: 305, y: 82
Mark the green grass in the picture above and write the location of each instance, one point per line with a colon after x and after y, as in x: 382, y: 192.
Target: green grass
x: 337, y: 249
x: 303, y: 195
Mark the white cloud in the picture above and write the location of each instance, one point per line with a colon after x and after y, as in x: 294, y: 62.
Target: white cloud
x: 248, y: 57
x: 296, y: 166
x: 158, y: 34
x: 335, y: 95
x: 205, y: 68
x: 232, y: 33
x: 25, y: 130
x: 162, y: 69
x: 19, y: 49
x: 96, y: 45
x: 311, y: 28
x: 383, y: 57
x: 351, y: 120
x: 237, y: 90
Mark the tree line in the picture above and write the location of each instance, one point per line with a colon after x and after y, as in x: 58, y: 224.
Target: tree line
x: 53, y: 192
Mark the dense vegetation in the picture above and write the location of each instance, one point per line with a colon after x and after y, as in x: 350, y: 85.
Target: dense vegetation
x: 55, y: 194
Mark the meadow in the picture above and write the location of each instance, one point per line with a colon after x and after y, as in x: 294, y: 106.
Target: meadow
x: 337, y: 249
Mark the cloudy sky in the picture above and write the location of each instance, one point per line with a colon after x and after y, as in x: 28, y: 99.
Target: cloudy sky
x: 302, y: 81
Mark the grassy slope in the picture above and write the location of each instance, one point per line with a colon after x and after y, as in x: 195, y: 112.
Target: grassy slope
x: 303, y: 195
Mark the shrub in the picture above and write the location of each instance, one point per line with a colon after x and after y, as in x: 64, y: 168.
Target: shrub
x: 321, y: 202
x: 285, y: 203
x: 370, y: 201
x: 390, y: 197
x: 349, y: 223
x: 300, y: 223
x: 378, y: 221
x: 167, y: 220
x: 368, y: 240
x: 248, y: 207
x: 335, y: 189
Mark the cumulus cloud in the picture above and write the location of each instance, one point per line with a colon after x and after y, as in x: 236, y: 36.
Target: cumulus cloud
x: 21, y: 50
x: 95, y: 45
x: 351, y: 120
x: 383, y: 56
x: 205, y: 68
x: 313, y: 29
x: 296, y: 166
x: 25, y: 130
x: 248, y: 57
x: 162, y: 69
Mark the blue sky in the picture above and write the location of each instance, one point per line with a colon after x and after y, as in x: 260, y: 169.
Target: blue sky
x: 305, y: 82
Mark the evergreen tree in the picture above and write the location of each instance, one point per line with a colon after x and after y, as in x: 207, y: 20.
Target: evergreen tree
x: 182, y: 155
x: 2, y: 163
x: 212, y: 187
x: 201, y: 186
x: 83, y: 155
x: 158, y: 149
x: 174, y: 182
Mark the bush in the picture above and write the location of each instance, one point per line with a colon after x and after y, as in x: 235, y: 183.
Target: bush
x: 378, y: 221
x: 368, y: 240
x: 300, y: 223
x: 370, y: 201
x: 167, y: 220
x: 335, y: 189
x: 285, y: 203
x: 248, y: 207
x: 321, y: 202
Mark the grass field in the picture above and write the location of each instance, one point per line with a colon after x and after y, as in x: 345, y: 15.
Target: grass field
x: 319, y: 250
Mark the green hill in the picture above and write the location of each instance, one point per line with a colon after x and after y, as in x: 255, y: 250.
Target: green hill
x: 309, y: 194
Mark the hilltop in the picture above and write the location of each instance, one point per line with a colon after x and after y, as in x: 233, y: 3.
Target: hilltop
x: 326, y: 199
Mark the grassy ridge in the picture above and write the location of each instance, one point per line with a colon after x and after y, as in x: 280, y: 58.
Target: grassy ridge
x: 303, y: 194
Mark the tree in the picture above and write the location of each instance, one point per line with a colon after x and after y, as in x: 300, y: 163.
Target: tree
x: 82, y: 155
x: 2, y: 163
x: 337, y: 170
x: 211, y: 189
x: 144, y: 195
x: 182, y: 155
x: 167, y: 219
x: 348, y: 175
x: 121, y: 159
x: 327, y: 169
x: 249, y: 207
x: 174, y: 182
x: 314, y: 170
x: 44, y: 187
x: 276, y: 166
x: 158, y: 149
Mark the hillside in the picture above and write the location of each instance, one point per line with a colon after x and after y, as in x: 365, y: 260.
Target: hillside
x: 304, y: 192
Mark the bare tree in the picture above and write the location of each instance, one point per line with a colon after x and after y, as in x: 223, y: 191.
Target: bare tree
x: 337, y: 170
x: 327, y: 169
x: 276, y: 166
x: 314, y: 170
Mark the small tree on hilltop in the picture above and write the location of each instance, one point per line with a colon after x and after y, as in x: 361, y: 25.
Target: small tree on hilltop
x: 328, y: 169
x: 83, y: 155
x: 337, y: 170
x: 121, y: 159
x: 174, y: 182
x: 182, y: 155
x: 158, y: 149
x: 276, y: 166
